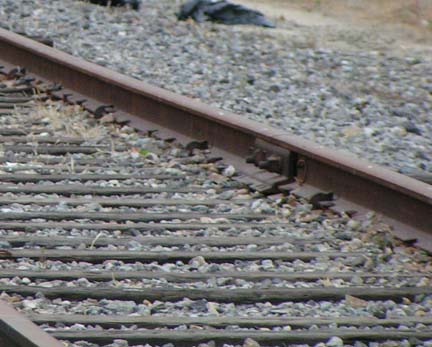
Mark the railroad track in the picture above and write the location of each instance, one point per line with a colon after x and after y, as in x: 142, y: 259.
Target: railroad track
x: 112, y: 236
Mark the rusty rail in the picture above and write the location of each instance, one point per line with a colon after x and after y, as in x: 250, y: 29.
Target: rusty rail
x: 18, y: 331
x: 404, y: 202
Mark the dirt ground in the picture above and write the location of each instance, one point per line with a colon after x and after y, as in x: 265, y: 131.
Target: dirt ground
x: 381, y: 25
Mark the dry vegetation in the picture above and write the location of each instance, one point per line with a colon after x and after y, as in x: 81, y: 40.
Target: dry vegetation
x: 71, y: 119
x: 411, y: 12
x: 417, y: 13
x: 405, y: 23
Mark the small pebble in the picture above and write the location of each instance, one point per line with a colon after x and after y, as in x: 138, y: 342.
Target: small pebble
x: 335, y: 342
x: 250, y: 343
x: 229, y: 171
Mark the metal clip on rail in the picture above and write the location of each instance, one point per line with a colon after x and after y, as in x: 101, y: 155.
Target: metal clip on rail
x: 294, y: 168
x: 277, y: 167
x: 274, y: 159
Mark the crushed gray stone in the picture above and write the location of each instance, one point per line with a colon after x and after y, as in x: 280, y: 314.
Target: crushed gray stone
x: 367, y: 101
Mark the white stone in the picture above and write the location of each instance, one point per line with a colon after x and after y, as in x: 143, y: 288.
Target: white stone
x: 229, y: 171
x: 335, y: 342
x: 250, y: 343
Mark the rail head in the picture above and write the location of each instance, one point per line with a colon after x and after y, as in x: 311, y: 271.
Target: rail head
x: 398, y: 197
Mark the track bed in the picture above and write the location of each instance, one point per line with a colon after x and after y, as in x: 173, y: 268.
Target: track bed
x: 114, y: 237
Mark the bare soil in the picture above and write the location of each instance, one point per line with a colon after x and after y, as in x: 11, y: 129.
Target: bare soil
x: 400, y: 26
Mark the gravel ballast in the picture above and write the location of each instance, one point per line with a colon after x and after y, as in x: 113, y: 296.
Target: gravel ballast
x: 366, y: 245
x: 368, y: 101
x: 350, y: 253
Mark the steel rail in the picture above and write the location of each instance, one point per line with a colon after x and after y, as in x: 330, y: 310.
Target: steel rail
x: 16, y: 330
x: 404, y: 202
